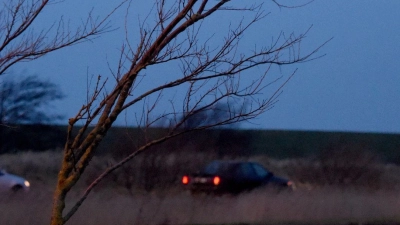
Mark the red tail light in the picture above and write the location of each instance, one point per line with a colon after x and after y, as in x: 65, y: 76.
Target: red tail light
x: 185, y: 180
x: 216, y: 180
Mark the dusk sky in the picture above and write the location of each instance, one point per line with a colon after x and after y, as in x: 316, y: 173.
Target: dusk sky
x: 354, y: 87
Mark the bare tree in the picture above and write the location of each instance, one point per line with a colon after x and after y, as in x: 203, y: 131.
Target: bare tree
x: 19, y: 42
x: 210, y: 74
x: 25, y: 101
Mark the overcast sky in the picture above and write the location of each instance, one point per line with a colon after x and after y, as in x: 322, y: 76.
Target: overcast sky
x: 355, y: 87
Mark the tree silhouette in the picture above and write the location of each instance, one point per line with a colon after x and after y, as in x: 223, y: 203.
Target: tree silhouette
x: 26, y: 101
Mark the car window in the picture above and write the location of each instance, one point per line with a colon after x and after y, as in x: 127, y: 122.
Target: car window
x: 222, y: 168
x: 1, y: 173
x: 211, y: 168
x: 260, y: 171
x: 246, y: 170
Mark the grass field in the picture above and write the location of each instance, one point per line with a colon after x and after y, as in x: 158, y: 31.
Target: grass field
x: 112, y: 203
x: 112, y: 206
x: 258, y: 207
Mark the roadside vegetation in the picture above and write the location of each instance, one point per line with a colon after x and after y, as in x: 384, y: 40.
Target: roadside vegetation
x: 343, y: 187
x: 340, y: 178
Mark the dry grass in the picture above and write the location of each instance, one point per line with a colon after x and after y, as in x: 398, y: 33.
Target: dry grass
x: 114, y: 204
x: 40, y: 167
x: 108, y: 207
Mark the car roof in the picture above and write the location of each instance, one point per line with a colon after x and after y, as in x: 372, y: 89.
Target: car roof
x: 225, y: 164
x: 231, y: 162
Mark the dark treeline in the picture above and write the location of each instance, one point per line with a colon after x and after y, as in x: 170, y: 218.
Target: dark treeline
x: 235, y: 142
x: 16, y: 138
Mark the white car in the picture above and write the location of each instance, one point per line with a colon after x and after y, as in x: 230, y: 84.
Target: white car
x: 12, y: 182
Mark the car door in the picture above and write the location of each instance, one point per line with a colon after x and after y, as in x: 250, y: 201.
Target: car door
x: 263, y: 174
x: 249, y: 177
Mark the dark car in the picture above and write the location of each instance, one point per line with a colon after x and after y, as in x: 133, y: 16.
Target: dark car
x: 232, y: 177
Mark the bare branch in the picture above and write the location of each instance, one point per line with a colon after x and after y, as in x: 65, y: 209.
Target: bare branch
x: 291, y: 7
x: 20, y: 43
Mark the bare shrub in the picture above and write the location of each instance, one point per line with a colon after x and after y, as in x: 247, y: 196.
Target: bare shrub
x: 151, y: 171
x: 162, y: 166
x: 38, y: 166
x: 340, y: 165
x: 350, y: 164
x: 344, y: 165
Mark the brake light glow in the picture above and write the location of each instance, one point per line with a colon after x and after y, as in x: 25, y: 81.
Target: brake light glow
x: 216, y: 180
x: 185, y: 180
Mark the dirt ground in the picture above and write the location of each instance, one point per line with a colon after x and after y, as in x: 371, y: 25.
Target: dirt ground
x: 263, y: 206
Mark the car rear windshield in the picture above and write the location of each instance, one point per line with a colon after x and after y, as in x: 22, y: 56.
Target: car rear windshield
x: 221, y: 168
x: 235, y: 169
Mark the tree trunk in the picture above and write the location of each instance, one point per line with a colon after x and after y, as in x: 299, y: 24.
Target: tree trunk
x: 58, y: 205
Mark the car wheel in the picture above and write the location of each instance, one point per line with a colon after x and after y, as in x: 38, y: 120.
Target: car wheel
x: 16, y: 188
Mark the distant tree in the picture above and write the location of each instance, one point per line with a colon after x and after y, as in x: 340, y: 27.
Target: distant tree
x: 25, y: 101
x: 213, y: 114
x: 214, y: 69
